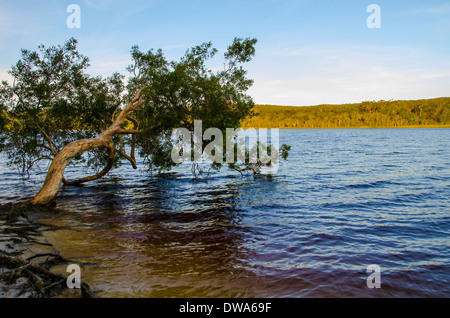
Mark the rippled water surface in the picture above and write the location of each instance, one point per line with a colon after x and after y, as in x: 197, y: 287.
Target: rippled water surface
x: 343, y: 200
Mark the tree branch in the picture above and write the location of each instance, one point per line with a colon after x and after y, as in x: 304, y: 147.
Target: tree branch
x: 100, y: 174
x: 245, y: 169
x: 55, y: 173
x: 124, y: 154
x: 133, y: 137
x: 47, y: 137
x: 115, y: 110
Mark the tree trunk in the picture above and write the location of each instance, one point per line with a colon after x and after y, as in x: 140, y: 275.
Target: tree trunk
x: 55, y: 173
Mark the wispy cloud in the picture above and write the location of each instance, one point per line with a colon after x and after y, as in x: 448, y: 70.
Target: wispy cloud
x: 317, y: 75
x: 97, y: 4
x: 441, y: 9
x: 127, y: 8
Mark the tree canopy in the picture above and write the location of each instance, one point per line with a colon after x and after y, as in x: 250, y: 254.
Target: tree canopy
x: 55, y: 111
x: 51, y: 102
x: 178, y: 92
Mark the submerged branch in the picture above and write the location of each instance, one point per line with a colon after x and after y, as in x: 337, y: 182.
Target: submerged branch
x: 129, y: 158
x: 245, y: 169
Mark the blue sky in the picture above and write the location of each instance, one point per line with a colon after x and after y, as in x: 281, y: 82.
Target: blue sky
x: 308, y: 52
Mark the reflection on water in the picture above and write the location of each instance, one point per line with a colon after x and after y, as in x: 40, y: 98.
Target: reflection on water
x: 165, y: 237
x: 345, y: 199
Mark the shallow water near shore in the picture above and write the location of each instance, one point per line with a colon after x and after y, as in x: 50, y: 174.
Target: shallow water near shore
x: 343, y: 200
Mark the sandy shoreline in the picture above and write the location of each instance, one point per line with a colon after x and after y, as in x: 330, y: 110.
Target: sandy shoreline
x: 26, y: 258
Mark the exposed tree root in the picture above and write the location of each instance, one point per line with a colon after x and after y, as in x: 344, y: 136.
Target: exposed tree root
x: 44, y: 283
x: 30, y: 276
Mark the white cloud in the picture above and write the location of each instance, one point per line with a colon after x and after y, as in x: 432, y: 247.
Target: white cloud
x: 436, y: 11
x: 318, y: 75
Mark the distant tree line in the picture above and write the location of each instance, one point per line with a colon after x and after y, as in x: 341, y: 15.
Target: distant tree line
x: 368, y: 114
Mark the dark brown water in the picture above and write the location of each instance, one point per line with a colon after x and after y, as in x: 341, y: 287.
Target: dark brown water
x: 345, y: 199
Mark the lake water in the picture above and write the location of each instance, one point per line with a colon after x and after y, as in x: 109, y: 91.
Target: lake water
x: 343, y: 200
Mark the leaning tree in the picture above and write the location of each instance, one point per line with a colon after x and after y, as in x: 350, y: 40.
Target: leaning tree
x: 55, y: 112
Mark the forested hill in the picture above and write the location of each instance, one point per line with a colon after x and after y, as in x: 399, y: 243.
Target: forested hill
x: 369, y: 114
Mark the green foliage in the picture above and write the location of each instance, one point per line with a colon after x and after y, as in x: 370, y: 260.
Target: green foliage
x: 52, y: 102
x: 368, y: 114
x: 284, y: 151
x: 3, y: 117
x: 179, y: 92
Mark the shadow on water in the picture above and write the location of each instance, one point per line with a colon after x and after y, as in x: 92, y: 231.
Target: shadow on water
x: 167, y: 236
